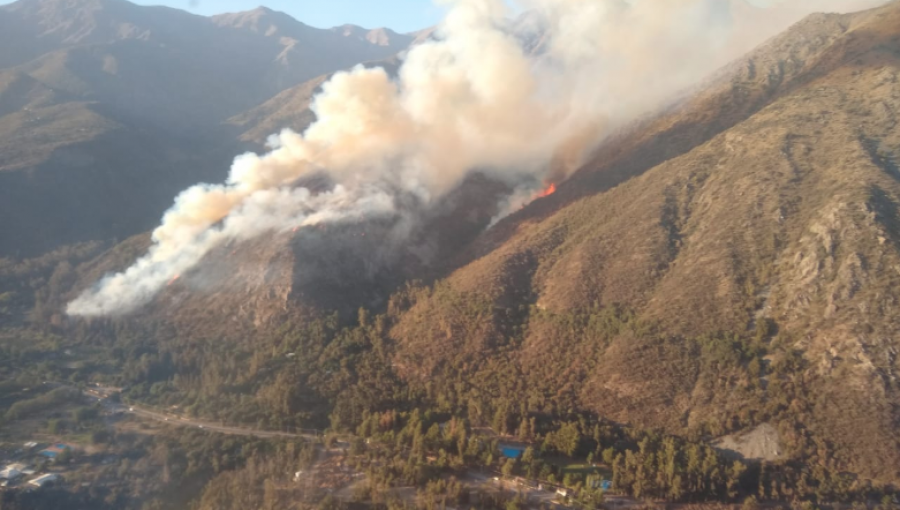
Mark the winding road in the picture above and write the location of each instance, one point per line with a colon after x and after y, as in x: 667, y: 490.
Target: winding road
x: 97, y: 394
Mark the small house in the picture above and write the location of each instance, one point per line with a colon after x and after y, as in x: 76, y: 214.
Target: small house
x: 11, y: 474
x: 53, y: 451
x: 43, y: 480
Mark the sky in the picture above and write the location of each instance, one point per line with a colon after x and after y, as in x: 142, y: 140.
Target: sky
x: 399, y: 15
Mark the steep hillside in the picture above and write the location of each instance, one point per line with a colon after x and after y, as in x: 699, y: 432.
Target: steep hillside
x: 337, y: 268
x: 254, y: 54
x: 172, y: 68
x: 746, y: 272
x: 304, y: 52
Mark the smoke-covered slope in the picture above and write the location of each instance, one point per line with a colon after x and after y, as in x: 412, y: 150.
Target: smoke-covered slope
x: 766, y: 208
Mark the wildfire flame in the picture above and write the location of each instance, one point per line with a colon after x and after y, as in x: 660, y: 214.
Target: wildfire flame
x: 551, y: 189
x: 173, y: 280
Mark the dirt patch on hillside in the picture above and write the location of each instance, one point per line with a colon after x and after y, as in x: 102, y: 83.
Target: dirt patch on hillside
x: 762, y: 442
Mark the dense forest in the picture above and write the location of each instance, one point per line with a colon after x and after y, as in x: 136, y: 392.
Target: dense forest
x: 341, y: 375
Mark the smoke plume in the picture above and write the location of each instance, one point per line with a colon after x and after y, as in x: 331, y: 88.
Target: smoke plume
x: 522, y: 101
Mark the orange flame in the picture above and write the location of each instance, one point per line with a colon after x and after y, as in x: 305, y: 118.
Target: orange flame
x: 551, y: 189
x: 173, y: 280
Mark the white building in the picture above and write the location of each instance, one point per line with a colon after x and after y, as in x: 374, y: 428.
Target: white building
x: 10, y: 473
x: 44, y: 480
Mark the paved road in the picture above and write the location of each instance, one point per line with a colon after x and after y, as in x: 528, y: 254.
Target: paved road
x: 179, y: 421
x: 212, y: 427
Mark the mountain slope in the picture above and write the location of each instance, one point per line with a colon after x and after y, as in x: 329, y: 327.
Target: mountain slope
x: 177, y: 69
x: 773, y: 219
x: 304, y: 52
x: 125, y: 105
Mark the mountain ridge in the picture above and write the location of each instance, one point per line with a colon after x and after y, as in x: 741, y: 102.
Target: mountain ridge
x: 75, y: 75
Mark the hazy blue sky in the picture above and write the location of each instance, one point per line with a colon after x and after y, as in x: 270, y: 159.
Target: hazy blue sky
x: 400, y: 15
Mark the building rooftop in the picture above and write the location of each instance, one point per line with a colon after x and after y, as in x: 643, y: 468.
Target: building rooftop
x: 44, y: 479
x: 10, y: 474
x: 54, y: 450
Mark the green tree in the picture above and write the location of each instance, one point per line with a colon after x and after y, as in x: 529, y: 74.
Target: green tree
x: 750, y: 503
x: 528, y: 456
x: 734, y: 478
x: 567, y: 438
x: 65, y: 456
x: 100, y: 436
x: 55, y: 426
x: 357, y: 446
x: 508, y: 467
x: 609, y: 455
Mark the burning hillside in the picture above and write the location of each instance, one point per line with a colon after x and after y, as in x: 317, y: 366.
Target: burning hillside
x: 473, y: 98
x: 549, y: 190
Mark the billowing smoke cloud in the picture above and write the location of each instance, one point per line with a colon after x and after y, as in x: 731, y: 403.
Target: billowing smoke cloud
x: 522, y: 106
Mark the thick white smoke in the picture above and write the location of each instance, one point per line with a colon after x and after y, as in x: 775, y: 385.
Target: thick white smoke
x: 475, y: 98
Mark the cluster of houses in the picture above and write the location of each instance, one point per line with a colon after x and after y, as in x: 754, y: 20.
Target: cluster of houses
x: 21, y: 475
x: 516, y: 450
x: 14, y: 474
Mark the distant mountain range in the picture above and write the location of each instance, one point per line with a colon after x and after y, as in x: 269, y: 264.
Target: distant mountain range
x: 127, y: 105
